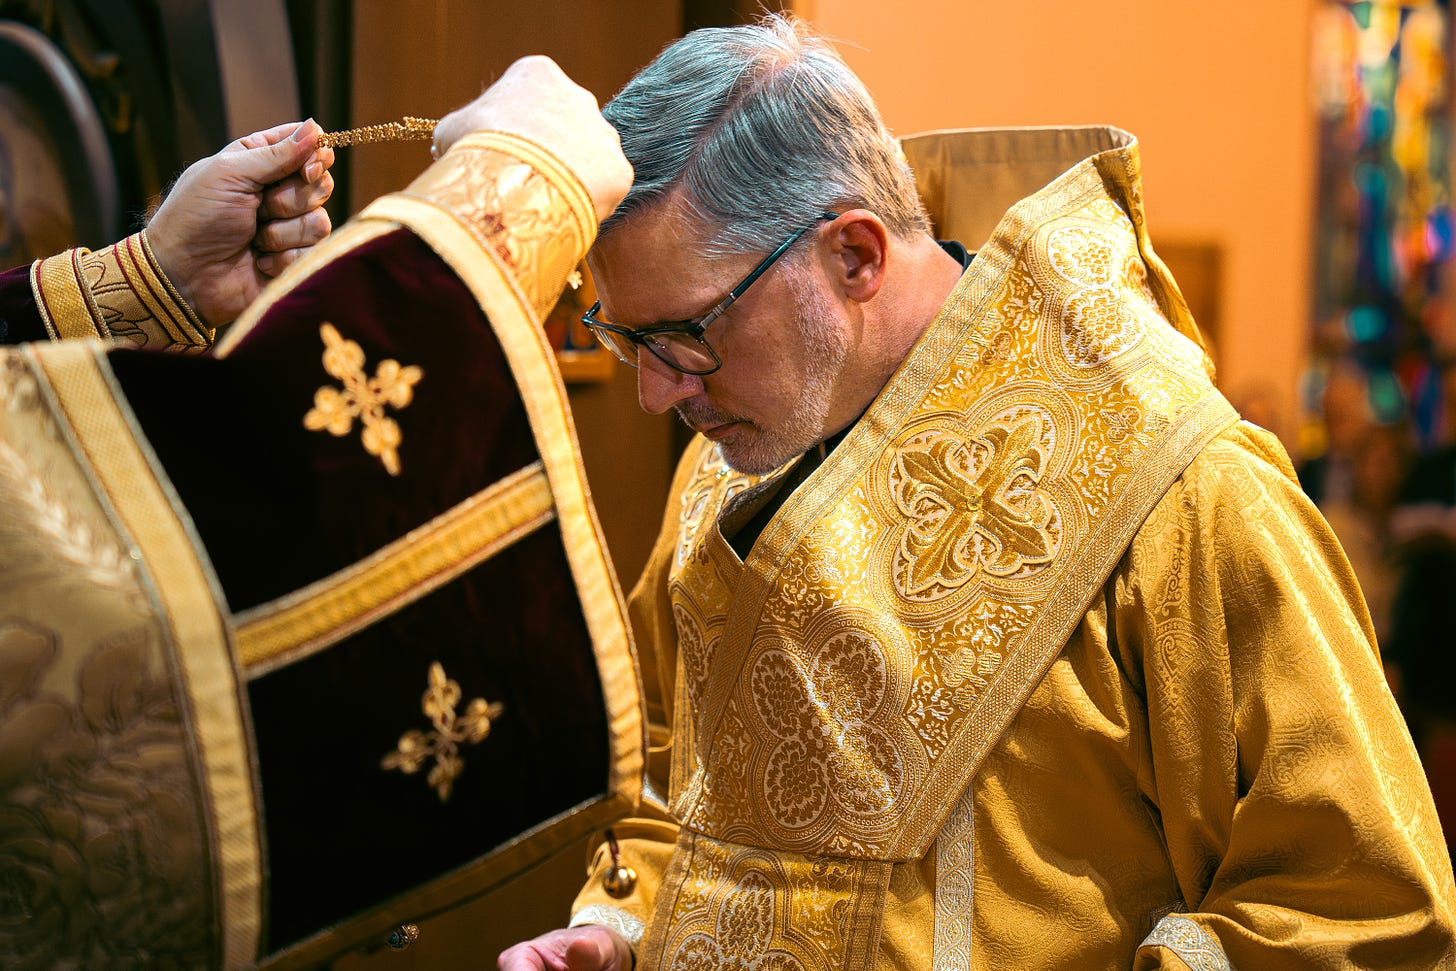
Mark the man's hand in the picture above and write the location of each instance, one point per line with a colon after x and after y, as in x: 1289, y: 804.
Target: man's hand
x: 585, y: 948
x: 536, y: 100
x: 236, y: 219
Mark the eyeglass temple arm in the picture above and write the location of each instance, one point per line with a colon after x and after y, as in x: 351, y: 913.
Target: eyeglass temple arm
x: 763, y: 267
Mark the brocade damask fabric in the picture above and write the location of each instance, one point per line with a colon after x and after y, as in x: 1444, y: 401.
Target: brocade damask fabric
x: 1049, y: 664
x: 276, y: 619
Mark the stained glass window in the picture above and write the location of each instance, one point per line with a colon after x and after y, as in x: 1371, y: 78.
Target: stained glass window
x: 1384, y: 221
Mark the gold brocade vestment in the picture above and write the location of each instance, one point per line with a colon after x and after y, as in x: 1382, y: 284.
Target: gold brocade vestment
x: 951, y: 711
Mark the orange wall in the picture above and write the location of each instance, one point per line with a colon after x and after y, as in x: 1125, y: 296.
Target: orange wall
x: 1218, y: 99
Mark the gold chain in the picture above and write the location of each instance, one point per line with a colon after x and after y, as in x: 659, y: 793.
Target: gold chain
x: 408, y: 130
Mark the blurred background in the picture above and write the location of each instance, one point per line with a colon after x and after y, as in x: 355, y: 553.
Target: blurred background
x: 1296, y: 179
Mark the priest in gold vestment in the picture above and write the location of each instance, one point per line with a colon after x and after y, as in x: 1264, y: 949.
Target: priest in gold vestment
x: 981, y: 632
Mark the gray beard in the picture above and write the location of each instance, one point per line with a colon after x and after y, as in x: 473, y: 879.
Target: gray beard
x: 766, y: 448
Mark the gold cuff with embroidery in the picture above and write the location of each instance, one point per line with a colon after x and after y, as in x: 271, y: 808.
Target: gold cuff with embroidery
x: 521, y: 202
x: 116, y: 292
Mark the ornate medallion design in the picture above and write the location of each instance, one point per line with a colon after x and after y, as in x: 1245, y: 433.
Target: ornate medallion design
x: 971, y: 506
x: 766, y: 911
x: 743, y: 928
x: 823, y: 718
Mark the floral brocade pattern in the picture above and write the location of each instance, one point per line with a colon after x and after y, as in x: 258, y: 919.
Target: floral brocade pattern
x: 103, y: 859
x: 515, y: 211
x: 1193, y: 945
x: 751, y: 910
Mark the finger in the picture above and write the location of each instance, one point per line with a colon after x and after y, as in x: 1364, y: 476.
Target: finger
x: 588, y: 953
x: 278, y: 235
x: 521, y: 957
x: 320, y: 162
x: 266, y: 164
x: 293, y: 197
x: 271, y: 136
x: 272, y: 264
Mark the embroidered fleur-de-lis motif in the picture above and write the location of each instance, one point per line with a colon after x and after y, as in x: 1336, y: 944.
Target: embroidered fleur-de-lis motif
x: 451, y: 731
x: 972, y: 506
x: 362, y: 397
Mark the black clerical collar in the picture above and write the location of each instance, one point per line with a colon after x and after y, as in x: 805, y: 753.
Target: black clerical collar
x: 958, y: 252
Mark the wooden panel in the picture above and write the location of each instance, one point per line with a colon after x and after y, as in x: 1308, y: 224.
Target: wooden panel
x: 1197, y: 265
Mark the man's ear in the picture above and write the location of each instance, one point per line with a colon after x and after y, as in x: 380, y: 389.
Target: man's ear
x: 857, y: 244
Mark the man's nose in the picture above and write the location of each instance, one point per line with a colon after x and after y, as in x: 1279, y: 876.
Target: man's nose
x: 659, y: 387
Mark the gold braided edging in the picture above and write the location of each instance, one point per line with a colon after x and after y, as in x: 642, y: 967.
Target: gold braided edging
x: 137, y: 302
x: 120, y: 292
x: 63, y: 298
x: 192, y: 325
x: 186, y: 598
x: 323, y: 613
x: 408, y: 129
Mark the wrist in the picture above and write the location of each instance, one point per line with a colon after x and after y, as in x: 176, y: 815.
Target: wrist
x: 162, y: 267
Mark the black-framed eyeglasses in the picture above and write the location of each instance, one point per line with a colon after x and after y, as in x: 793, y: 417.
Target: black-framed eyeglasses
x: 680, y: 343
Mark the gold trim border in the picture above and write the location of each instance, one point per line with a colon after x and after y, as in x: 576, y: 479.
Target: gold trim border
x: 169, y: 301
x: 323, y: 613
x: 78, y: 378
x: 533, y: 365
x: 63, y: 299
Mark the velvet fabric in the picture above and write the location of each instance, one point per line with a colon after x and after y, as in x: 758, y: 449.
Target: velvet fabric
x: 19, y: 319
x: 278, y: 506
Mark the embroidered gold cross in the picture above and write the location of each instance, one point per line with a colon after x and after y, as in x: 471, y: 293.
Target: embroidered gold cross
x: 451, y: 732
x: 957, y: 513
x: 362, y: 397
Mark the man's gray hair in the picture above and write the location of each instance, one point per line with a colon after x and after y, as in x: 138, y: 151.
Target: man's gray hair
x: 762, y: 127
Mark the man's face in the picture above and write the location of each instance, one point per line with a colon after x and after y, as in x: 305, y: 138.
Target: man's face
x: 783, y: 344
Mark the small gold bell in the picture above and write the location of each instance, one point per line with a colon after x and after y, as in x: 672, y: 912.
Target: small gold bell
x: 619, y: 881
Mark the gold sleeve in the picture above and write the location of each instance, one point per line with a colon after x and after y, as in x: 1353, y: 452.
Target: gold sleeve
x: 119, y: 292
x: 1297, y: 818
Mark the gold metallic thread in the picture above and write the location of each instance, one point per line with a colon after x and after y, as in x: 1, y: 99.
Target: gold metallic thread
x: 408, y: 129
